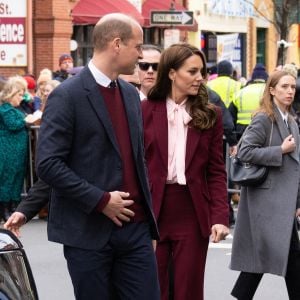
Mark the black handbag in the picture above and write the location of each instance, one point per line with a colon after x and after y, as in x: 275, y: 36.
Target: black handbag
x: 247, y: 174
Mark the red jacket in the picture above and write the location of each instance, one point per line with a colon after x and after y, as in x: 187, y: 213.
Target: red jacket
x: 204, y: 165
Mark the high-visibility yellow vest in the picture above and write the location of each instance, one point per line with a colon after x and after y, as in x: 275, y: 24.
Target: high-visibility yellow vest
x: 247, y: 101
x: 225, y: 87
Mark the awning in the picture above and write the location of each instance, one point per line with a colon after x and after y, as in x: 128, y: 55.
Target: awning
x: 90, y: 11
x: 163, y: 5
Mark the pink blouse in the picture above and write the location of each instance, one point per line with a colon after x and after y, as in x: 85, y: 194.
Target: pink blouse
x: 178, y: 119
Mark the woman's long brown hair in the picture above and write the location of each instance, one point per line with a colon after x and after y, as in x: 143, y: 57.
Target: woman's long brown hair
x: 202, y: 112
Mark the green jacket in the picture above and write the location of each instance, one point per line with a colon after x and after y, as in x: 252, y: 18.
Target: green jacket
x: 13, y: 152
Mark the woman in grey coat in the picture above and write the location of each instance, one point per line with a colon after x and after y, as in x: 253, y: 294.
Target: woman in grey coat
x: 265, y: 236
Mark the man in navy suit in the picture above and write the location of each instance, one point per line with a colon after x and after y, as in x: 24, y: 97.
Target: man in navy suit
x: 90, y: 151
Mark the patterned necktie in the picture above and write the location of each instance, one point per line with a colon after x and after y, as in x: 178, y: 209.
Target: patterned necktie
x: 287, y: 125
x: 112, y: 84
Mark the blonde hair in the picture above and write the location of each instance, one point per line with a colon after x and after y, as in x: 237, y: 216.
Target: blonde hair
x: 45, y: 75
x: 12, y: 86
x: 53, y: 83
x: 291, y: 69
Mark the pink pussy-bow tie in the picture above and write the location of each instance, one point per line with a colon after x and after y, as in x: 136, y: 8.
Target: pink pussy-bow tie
x: 178, y: 113
x: 178, y: 118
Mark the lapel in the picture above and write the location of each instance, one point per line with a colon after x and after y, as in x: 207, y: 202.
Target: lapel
x: 193, y: 138
x: 295, y: 132
x: 284, y: 132
x: 160, y: 124
x: 129, y: 100
x: 97, y: 102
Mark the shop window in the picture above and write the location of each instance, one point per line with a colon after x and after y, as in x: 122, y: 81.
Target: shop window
x: 261, y: 46
x: 154, y: 35
x: 210, y: 50
x: 84, y: 52
x: 238, y: 55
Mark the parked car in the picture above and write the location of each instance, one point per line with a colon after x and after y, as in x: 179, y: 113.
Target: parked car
x: 16, y: 279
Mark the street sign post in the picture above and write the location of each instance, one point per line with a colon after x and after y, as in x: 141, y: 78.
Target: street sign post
x: 172, y: 17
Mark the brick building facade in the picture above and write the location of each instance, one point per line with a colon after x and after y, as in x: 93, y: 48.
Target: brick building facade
x: 48, y: 34
x: 49, y: 30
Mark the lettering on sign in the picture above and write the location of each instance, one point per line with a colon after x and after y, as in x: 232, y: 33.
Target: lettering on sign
x: 171, y: 17
x: 12, y: 31
x: 2, y: 55
x: 4, y: 9
x: 13, y: 47
x: 167, y: 18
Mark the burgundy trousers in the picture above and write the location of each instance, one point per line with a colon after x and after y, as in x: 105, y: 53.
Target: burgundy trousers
x: 181, y: 244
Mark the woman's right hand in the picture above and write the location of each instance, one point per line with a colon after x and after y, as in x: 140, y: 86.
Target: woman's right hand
x: 288, y: 144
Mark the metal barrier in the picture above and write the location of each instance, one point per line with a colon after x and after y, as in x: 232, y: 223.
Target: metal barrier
x: 227, y: 164
x: 31, y: 177
x: 33, y: 136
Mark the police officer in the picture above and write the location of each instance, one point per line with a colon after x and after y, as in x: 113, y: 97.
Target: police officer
x: 247, y: 99
x: 224, y: 85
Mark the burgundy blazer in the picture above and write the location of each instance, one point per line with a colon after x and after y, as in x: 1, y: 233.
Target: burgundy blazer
x: 204, y: 165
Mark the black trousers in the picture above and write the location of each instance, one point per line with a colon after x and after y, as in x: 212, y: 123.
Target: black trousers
x: 247, y: 283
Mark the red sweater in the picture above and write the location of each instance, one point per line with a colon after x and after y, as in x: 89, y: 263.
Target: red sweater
x: 117, y: 112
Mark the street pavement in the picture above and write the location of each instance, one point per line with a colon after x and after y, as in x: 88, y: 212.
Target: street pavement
x: 219, y: 279
x: 53, y: 282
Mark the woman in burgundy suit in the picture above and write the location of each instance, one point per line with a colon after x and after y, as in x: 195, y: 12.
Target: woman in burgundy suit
x: 183, y: 145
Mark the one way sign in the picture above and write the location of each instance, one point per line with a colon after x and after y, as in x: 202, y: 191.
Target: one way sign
x: 170, y: 17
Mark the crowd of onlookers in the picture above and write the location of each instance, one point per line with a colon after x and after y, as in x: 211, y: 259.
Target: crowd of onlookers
x: 156, y: 179
x: 22, y: 101
x: 237, y: 97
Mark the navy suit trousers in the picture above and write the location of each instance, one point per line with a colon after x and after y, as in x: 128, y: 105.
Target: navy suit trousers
x: 125, y: 268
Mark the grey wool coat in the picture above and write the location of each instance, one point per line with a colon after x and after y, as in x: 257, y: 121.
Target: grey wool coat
x: 266, y: 213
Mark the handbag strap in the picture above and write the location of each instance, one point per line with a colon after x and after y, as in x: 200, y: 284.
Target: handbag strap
x: 270, y: 140
x: 271, y: 134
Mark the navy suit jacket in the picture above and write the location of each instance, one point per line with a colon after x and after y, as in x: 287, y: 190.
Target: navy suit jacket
x: 37, y: 197
x: 78, y: 156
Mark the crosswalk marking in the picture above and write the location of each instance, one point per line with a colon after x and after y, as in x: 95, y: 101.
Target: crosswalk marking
x: 227, y: 244
x: 220, y: 246
x: 229, y: 236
